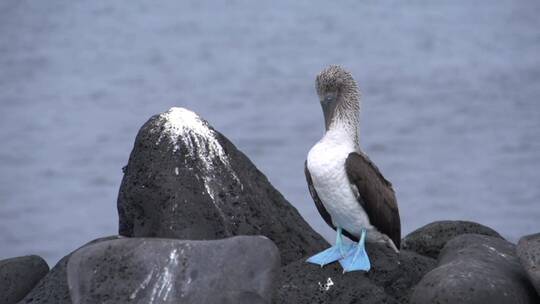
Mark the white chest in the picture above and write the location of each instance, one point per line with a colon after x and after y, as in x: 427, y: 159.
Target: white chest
x: 326, y: 164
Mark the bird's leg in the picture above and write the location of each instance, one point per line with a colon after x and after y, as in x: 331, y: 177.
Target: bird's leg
x: 357, y: 258
x: 339, y: 241
x: 332, y: 254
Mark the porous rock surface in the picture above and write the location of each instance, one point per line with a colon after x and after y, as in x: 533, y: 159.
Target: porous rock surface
x: 235, y: 270
x: 431, y: 238
x: 185, y: 180
x: 390, y: 279
x: 53, y: 288
x: 528, y: 251
x: 144, y: 270
x: 19, y: 275
x: 474, y: 269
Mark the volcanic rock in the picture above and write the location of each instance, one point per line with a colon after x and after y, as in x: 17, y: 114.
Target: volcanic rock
x: 185, y: 180
x: 528, y: 251
x: 19, y: 275
x: 476, y: 269
x: 390, y: 279
x: 431, y: 238
x: 53, y: 288
x: 144, y: 270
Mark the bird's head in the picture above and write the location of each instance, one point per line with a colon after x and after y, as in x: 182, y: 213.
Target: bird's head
x: 338, y: 94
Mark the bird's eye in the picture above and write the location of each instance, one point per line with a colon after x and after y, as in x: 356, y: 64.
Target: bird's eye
x: 328, y: 98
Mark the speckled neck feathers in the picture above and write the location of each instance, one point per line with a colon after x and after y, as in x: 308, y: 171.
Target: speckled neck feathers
x: 344, y: 116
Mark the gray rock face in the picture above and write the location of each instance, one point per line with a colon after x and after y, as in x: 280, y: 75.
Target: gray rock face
x: 185, y: 180
x: 19, y: 275
x: 389, y: 281
x: 143, y: 270
x: 431, y: 238
x: 476, y: 269
x: 528, y: 251
x: 126, y: 260
x: 53, y: 288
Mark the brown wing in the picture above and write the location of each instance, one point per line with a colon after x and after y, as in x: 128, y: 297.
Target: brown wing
x: 320, y: 207
x: 375, y: 195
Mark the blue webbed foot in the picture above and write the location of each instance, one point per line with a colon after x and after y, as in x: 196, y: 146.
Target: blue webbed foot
x: 332, y: 254
x: 357, y: 258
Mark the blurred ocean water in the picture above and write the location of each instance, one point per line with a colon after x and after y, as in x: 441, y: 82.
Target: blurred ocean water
x: 450, y: 113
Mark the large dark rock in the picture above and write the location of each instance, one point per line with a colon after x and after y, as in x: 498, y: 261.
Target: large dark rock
x: 19, y: 275
x: 143, y: 270
x: 431, y: 238
x: 476, y: 269
x: 53, y: 288
x: 185, y: 180
x: 122, y: 261
x: 390, y: 279
x: 528, y: 251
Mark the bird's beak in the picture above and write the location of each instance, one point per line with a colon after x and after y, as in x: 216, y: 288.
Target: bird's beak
x: 328, y: 103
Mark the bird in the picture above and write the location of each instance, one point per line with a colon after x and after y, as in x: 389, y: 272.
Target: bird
x: 348, y: 190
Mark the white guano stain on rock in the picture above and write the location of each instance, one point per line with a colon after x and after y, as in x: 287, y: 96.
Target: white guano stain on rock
x: 165, y: 280
x: 142, y: 285
x: 326, y: 286
x: 183, y: 125
x: 186, y: 128
x: 496, y: 251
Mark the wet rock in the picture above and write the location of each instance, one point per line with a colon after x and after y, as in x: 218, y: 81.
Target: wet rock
x: 476, y: 268
x: 143, y: 270
x: 19, y: 275
x: 431, y: 238
x: 185, y: 180
x: 389, y: 280
x: 528, y: 251
x: 53, y: 288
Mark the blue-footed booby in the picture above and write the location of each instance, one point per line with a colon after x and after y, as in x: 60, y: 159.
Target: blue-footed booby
x: 349, y: 191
